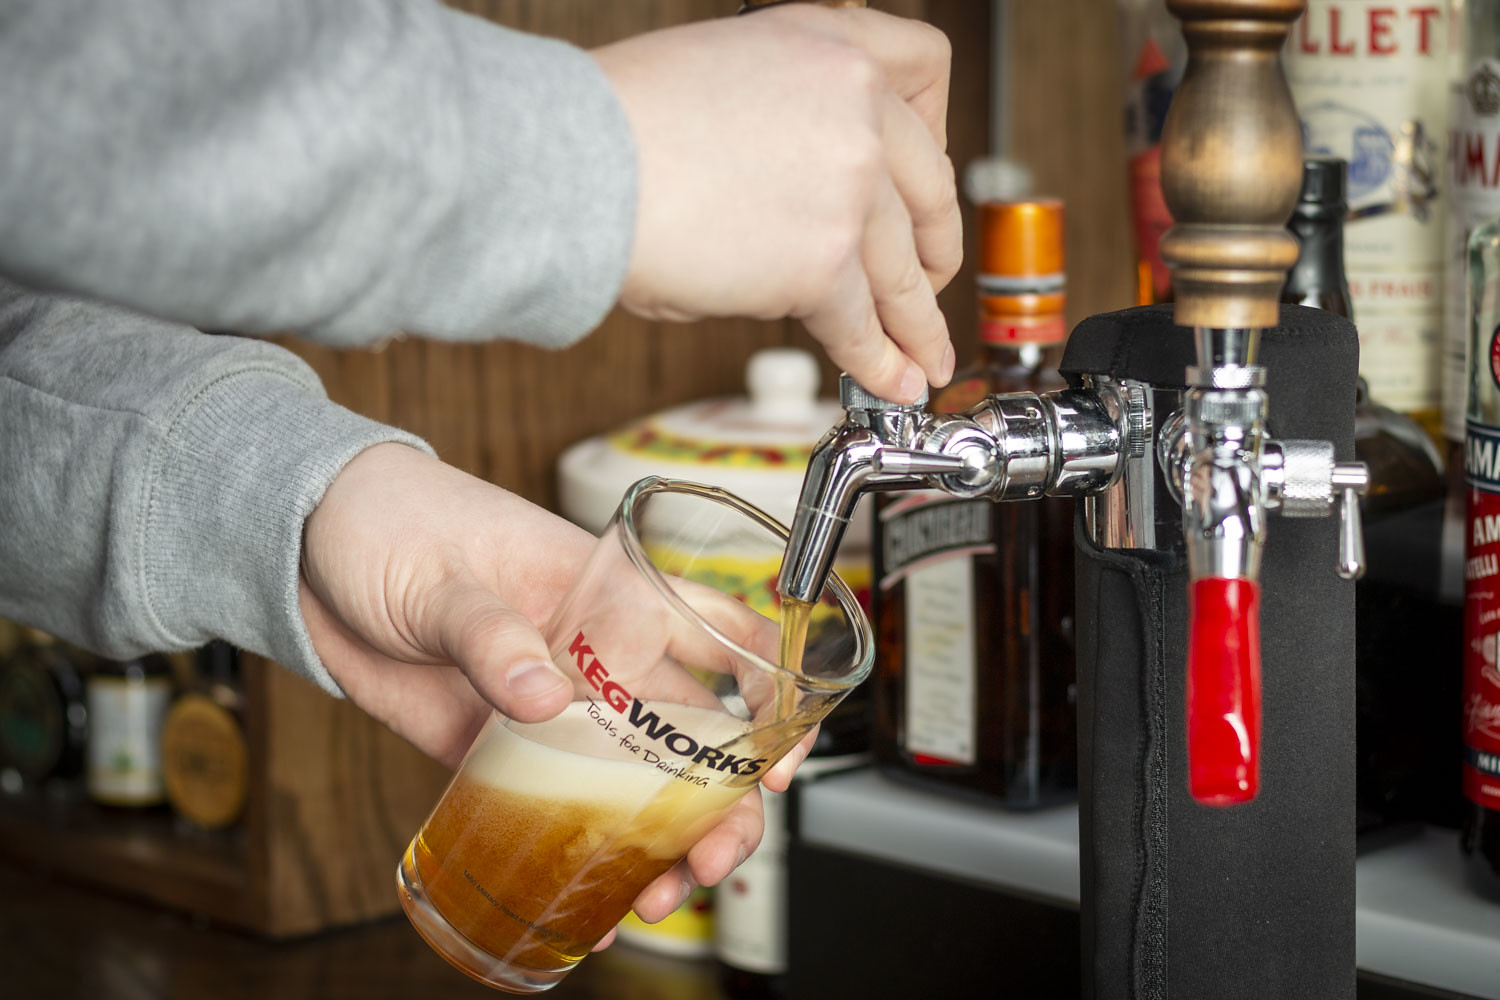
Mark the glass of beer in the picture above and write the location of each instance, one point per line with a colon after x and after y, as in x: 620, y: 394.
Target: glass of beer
x: 691, y: 679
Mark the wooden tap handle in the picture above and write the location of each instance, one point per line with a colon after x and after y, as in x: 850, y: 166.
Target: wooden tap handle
x: 1231, y: 164
x: 750, y: 5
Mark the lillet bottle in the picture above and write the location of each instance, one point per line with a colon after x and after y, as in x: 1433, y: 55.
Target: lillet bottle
x: 973, y: 600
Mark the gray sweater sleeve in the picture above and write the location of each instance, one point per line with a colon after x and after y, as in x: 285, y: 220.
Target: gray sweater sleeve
x: 154, y: 480
x: 345, y: 168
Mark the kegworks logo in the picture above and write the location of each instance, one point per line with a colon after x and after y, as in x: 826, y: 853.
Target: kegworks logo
x: 647, y: 722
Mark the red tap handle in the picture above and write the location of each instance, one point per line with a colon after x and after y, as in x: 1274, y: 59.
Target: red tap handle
x: 1223, y: 690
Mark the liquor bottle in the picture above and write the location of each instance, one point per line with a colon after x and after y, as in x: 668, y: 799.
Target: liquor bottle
x: 1480, y: 838
x: 127, y: 705
x: 205, y: 756
x: 751, y: 935
x: 1154, y: 56
x: 1369, y: 81
x: 973, y: 604
x: 1473, y: 155
x: 43, y: 716
x: 1394, y: 613
x: 1473, y: 183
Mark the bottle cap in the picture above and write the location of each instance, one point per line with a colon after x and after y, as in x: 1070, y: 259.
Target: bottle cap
x: 1323, y: 183
x: 1021, y: 239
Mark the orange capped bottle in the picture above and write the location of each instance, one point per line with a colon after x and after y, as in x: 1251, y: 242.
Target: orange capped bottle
x: 973, y: 602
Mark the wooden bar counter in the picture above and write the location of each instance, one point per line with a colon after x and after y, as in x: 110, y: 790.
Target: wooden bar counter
x: 60, y: 941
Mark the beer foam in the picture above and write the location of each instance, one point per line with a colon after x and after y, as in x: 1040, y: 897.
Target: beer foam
x: 575, y: 756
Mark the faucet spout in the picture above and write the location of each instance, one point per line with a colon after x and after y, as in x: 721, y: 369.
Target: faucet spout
x: 842, y: 467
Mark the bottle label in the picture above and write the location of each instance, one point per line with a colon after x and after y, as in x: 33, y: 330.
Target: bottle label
x: 205, y: 761
x: 1474, y: 183
x: 751, y: 914
x: 125, y: 726
x: 1048, y: 328
x: 929, y: 541
x: 1368, y: 81
x: 1481, y: 724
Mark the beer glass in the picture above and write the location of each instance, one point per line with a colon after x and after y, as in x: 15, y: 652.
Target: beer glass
x: 681, y: 703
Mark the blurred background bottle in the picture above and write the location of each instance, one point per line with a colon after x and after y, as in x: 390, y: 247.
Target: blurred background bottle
x: 751, y: 928
x: 1480, y: 837
x: 1474, y: 198
x: 205, y: 755
x: 43, y: 715
x: 1473, y: 182
x: 127, y: 704
x: 1153, y: 56
x: 1403, y: 733
x: 973, y: 600
x: 1369, y: 82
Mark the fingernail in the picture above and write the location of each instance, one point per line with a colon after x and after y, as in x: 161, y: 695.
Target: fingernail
x: 739, y: 858
x: 948, y: 362
x: 534, y: 678
x: 684, y: 892
x: 912, y: 383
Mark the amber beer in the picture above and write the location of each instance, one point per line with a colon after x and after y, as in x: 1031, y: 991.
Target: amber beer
x: 550, y: 830
x: 538, y: 849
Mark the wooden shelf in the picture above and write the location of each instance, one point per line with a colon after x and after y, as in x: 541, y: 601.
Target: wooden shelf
x: 334, y: 798
x: 143, y: 854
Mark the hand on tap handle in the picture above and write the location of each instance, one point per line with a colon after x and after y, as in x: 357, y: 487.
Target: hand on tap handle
x: 851, y: 224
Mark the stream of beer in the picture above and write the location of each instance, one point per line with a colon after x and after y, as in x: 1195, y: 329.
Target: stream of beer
x: 795, y: 616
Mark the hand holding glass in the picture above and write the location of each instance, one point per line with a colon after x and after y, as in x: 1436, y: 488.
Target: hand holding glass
x: 681, y: 704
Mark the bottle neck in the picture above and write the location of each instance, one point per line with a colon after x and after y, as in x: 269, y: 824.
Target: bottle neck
x: 218, y: 663
x: 1318, y: 278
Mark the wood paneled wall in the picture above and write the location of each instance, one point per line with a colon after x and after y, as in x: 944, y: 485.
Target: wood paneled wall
x: 1066, y: 114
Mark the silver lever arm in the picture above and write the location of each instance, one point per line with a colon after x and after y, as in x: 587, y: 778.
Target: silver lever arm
x: 1351, y: 479
x: 899, y: 462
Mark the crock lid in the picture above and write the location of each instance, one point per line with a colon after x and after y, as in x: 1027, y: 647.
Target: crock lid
x: 755, y: 446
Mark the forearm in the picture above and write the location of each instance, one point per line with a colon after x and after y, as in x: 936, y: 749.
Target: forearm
x: 154, y: 480
x: 345, y: 168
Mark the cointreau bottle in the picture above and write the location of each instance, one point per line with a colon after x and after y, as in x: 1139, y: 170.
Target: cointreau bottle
x: 973, y: 600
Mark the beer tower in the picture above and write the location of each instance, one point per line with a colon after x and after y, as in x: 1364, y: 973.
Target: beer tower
x: 1182, y: 430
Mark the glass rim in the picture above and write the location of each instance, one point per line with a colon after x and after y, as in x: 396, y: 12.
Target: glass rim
x: 864, y: 636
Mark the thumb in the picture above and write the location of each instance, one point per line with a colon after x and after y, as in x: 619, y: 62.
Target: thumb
x: 500, y: 651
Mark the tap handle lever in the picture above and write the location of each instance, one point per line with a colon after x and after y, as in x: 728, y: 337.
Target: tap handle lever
x: 1350, y: 480
x: 901, y: 462
x: 1223, y: 690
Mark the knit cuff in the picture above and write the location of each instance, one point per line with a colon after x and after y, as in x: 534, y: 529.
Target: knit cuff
x: 537, y: 242
x: 241, y: 467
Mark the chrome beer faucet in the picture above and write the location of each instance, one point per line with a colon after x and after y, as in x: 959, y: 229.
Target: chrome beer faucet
x: 1096, y: 443
x: 1016, y: 446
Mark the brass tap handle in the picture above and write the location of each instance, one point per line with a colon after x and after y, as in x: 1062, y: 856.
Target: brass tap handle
x: 1231, y: 164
